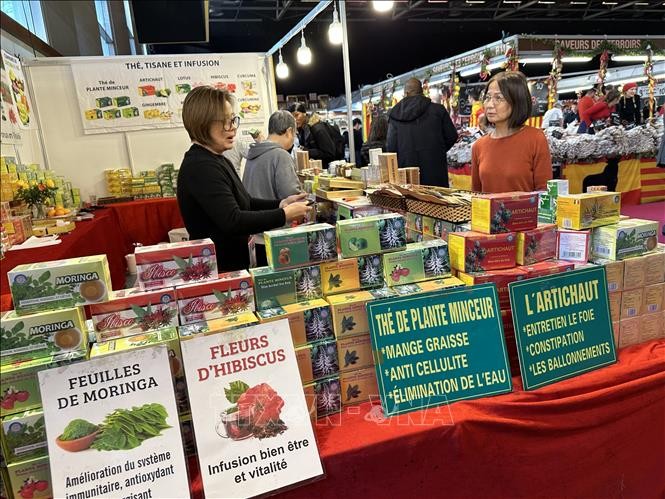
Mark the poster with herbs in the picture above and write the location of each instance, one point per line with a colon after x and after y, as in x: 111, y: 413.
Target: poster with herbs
x: 112, y: 427
x: 251, y: 420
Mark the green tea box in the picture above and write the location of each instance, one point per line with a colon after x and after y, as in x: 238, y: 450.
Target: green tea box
x: 103, y: 102
x: 340, y: 276
x: 121, y: 101
x: 546, y: 208
x: 30, y: 479
x: 419, y: 262
x: 359, y: 386
x: 317, y: 361
x: 630, y: 237
x: 309, y: 321
x: 299, y: 246
x: 19, y: 386
x: 60, y: 284
x: 354, y: 352
x: 349, y: 313
x: 278, y: 288
x: 370, y: 235
x: 25, y: 337
x: 24, y: 436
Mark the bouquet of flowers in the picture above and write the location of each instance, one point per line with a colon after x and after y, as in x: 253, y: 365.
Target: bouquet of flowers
x: 36, y: 194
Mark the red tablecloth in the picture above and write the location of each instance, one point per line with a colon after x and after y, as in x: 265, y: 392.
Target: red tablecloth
x: 600, y: 435
x: 148, y: 221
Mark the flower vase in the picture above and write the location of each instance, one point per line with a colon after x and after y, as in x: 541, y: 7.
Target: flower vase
x: 38, y: 211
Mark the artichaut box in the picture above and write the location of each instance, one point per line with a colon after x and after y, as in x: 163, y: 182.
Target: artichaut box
x: 317, y: 361
x: 505, y: 212
x: 476, y: 252
x: 418, y: 262
x: 546, y: 268
x: 588, y: 210
x: 371, y: 235
x: 340, y: 276
x: 60, y: 284
x: 631, y: 237
x: 299, y: 246
x: 30, y: 479
x: 278, y: 288
x: 24, y: 436
x: 26, y: 337
x: 349, y: 313
x: 536, y: 245
x: 309, y: 321
x: 354, y: 352
x: 501, y: 278
x: 359, y: 386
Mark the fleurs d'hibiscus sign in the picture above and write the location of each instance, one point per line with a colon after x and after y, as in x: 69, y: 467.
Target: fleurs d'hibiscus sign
x: 251, y: 420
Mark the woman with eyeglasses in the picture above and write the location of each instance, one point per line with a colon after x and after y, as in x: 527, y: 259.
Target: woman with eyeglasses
x: 211, y: 197
x: 513, y: 156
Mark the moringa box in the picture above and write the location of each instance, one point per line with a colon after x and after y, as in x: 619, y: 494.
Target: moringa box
x: 588, y: 210
x: 60, y: 284
x: 302, y: 245
x: 309, y: 321
x: 505, y: 212
x: 354, y: 352
x: 23, y: 436
x: 359, y: 386
x: 536, y: 245
x: 418, y: 262
x: 27, y: 337
x: 278, y: 288
x: 341, y: 276
x: 30, y: 479
x: 349, y: 313
x: 371, y: 235
x: 476, y: 252
x: 630, y: 237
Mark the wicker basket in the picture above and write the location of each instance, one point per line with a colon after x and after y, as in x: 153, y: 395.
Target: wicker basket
x: 392, y: 203
x: 454, y: 214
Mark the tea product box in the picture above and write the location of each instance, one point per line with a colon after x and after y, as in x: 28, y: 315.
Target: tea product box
x: 631, y: 237
x: 370, y: 235
x: 548, y: 267
x: 573, y: 245
x: 370, y: 271
x: 309, y: 321
x: 536, y: 245
x: 278, y: 288
x: 388, y: 166
x: 300, y: 246
x: 317, y: 361
x: 634, y: 272
x: 132, y: 311
x: 500, y: 278
x: 505, y: 212
x: 653, y: 298
x: 357, y: 208
x: 440, y: 284
x: 359, y: 386
x: 27, y: 337
x: 588, y: 210
x: 354, y: 352
x: 19, y: 385
x: 217, y: 325
x: 30, y: 479
x: 327, y: 395
x: 23, y: 436
x: 340, y: 277
x: 419, y: 262
x: 546, y: 208
x: 651, y: 327
x: 557, y: 187
x: 614, y: 271
x: 349, y: 313
x: 60, y: 284
x: 476, y: 252
x: 615, y: 305
x: 171, y: 264
x: 631, y: 303
x: 231, y: 294
x: 630, y: 332
x: 654, y: 267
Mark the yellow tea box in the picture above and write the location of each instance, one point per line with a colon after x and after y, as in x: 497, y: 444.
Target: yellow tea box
x: 349, y: 313
x: 654, y: 267
x: 317, y: 361
x: 651, y: 327
x: 359, y: 386
x: 217, y: 325
x: 354, y: 352
x: 439, y: 284
x: 60, y: 284
x: 23, y: 436
x: 616, y: 328
x: 42, y: 334
x: 653, y: 298
x: 615, y: 305
x: 30, y: 479
x: 634, y: 272
x: 631, y: 303
x: 587, y: 210
x: 309, y: 321
x: 340, y: 277
x: 630, y: 332
x: 299, y: 246
x: 630, y: 237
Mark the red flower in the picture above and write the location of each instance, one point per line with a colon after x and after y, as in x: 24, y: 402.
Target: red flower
x: 260, y: 405
x: 41, y: 187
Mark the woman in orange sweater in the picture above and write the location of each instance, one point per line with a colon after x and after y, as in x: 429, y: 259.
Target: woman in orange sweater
x: 513, y: 157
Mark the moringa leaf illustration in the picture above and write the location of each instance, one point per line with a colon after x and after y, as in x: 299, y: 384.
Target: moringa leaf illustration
x: 334, y: 281
x: 350, y: 358
x: 235, y: 390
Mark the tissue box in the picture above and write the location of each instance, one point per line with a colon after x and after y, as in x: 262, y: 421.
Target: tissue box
x: 419, y: 262
x: 309, y: 321
x: 536, y: 245
x: 506, y: 212
x: 587, y: 210
x: 278, y: 288
x: 303, y: 245
x: 370, y: 235
x: 476, y: 252
x: 631, y: 237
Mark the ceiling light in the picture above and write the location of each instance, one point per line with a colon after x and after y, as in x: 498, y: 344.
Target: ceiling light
x: 382, y: 5
x: 636, y: 58
x: 546, y: 2
x: 512, y: 1
x: 574, y: 58
x: 304, y: 55
x: 281, y: 69
x: 610, y: 3
x: 536, y: 60
x: 475, y: 1
x: 335, y: 31
x: 577, y: 3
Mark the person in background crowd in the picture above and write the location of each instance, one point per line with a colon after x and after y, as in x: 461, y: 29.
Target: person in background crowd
x: 553, y: 117
x: 313, y: 135
x: 602, y: 109
x: 357, y: 137
x: 212, y: 200
x: 377, y: 138
x: 570, y: 114
x: 421, y: 132
x: 476, y: 106
x: 270, y: 171
x: 583, y: 105
x: 513, y: 157
x: 630, y: 105
x: 240, y: 149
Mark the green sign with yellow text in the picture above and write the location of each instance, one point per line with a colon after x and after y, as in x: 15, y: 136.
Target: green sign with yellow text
x: 438, y: 347
x: 562, y: 325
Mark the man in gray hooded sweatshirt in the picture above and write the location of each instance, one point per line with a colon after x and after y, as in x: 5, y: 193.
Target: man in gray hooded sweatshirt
x: 270, y: 171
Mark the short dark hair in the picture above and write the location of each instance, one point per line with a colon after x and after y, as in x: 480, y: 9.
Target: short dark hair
x: 298, y: 107
x: 515, y: 90
x: 357, y: 121
x: 201, y: 107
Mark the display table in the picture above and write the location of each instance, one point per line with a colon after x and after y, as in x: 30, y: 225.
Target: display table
x: 148, y: 221
x: 599, y: 435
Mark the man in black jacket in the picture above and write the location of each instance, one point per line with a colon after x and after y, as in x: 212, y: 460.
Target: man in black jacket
x: 313, y: 135
x: 421, y: 132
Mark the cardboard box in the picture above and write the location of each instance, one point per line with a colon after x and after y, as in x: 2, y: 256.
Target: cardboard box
x: 614, y: 271
x: 634, y: 272
x: 630, y: 332
x: 132, y: 311
x: 476, y: 252
x: 616, y: 328
x: 418, y: 262
x: 302, y: 160
x: 31, y: 478
x: 231, y: 294
x: 60, y: 284
x: 309, y: 321
x: 651, y: 327
x: 501, y: 278
x: 341, y: 276
x: 370, y: 271
x: 653, y: 298
x: 654, y: 267
x: 24, y: 436
x: 349, y: 313
x: 389, y: 167
x: 631, y: 303
x: 587, y: 210
x: 505, y: 212
x: 354, y: 352
x: 573, y: 245
x: 371, y: 235
x: 536, y: 245
x: 214, y: 326
x: 275, y: 289
x: 549, y: 267
x: 317, y: 361
x: 631, y: 237
x: 556, y: 188
x: 615, y: 305
x: 359, y: 386
x: 42, y: 334
x: 299, y: 246
x: 327, y: 394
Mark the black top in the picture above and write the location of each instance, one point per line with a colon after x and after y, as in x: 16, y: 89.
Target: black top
x: 630, y: 109
x: 214, y: 203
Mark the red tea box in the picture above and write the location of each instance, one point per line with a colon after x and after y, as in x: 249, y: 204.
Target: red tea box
x: 172, y: 264
x: 132, y: 311
x: 536, y: 245
x: 504, y: 212
x: 476, y: 252
x: 501, y: 278
x: 231, y: 294
x: 548, y: 267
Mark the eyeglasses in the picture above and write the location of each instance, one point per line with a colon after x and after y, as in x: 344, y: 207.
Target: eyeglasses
x: 496, y: 98
x: 231, y: 123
